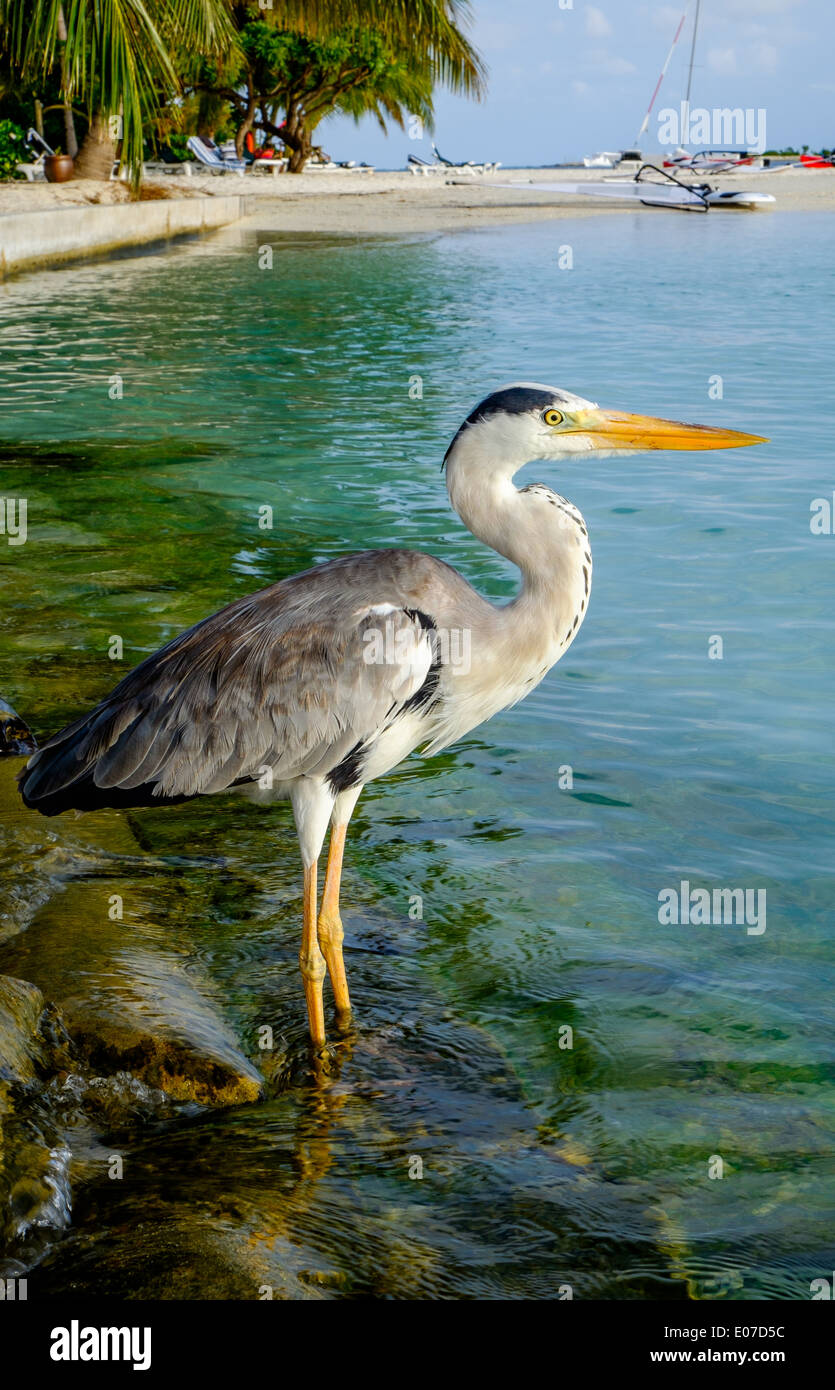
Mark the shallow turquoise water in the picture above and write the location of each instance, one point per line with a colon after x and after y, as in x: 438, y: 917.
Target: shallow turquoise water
x: 543, y: 1165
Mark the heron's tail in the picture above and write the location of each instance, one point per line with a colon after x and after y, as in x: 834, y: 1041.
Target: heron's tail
x: 73, y: 771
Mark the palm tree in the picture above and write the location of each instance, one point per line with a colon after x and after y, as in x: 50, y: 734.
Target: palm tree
x: 116, y: 57
x: 125, y: 59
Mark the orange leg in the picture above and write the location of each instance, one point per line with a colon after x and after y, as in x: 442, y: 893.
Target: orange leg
x: 331, y: 934
x: 311, y: 960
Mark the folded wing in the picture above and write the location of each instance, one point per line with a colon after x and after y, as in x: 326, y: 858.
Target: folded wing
x: 294, y: 678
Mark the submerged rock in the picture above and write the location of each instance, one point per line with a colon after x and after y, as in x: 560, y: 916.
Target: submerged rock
x: 21, y: 1045
x: 21, y: 1053
x: 38, y: 856
x: 129, y: 1001
x: 16, y: 739
x: 132, y: 997
x: 34, y: 1169
x: 175, y: 1041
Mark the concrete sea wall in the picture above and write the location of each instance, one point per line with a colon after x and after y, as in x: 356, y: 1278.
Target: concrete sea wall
x: 50, y: 236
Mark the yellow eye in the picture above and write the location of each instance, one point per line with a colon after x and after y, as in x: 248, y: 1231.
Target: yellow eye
x: 553, y: 417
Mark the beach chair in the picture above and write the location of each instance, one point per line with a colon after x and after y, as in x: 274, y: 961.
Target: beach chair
x: 154, y: 167
x: 166, y: 162
x: 466, y: 168
x: 419, y: 166
x: 268, y: 166
x: 210, y: 156
x: 34, y: 172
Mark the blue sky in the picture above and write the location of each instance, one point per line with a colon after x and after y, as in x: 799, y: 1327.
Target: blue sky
x: 566, y: 82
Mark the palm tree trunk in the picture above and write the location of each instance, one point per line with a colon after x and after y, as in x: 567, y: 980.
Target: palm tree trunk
x: 98, y: 151
x: 70, y: 141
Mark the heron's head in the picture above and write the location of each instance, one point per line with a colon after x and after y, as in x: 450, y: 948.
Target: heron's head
x: 526, y: 421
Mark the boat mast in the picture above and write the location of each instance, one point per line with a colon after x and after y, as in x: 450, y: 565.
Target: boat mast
x: 692, y: 56
x: 645, y: 125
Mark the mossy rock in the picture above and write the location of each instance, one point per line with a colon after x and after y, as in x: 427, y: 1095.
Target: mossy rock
x: 211, y: 1073
x: 130, y: 1000
x: 16, y: 739
x: 21, y: 1046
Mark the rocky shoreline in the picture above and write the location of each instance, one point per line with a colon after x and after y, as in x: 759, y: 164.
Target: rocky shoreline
x: 99, y: 1027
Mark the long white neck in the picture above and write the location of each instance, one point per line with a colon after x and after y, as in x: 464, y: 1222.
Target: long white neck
x: 513, y: 644
x: 547, y: 542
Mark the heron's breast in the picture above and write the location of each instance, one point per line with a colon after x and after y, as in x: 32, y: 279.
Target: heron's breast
x: 396, y: 742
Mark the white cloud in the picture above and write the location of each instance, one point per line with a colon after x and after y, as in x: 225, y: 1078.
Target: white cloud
x: 749, y: 7
x: 597, y: 25
x: 494, y: 35
x: 600, y: 62
x: 722, y: 60
x: 613, y: 67
x: 764, y: 57
x: 580, y: 88
x: 666, y: 18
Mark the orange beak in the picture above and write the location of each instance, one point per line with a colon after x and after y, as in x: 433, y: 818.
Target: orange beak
x: 613, y: 429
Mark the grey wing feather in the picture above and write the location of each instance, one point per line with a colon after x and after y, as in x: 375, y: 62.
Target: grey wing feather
x: 282, y: 679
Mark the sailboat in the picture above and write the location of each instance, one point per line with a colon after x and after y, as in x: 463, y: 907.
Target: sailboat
x: 609, y: 159
x: 660, y: 187
x: 706, y: 161
x: 605, y: 159
x: 714, y: 161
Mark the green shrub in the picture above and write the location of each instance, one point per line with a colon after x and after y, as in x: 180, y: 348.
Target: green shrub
x: 12, y: 149
x: 177, y: 143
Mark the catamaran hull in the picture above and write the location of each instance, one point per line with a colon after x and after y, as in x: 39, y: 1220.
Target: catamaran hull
x: 747, y: 202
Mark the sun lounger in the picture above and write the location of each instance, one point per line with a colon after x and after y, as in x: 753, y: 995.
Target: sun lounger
x: 419, y: 166
x: 34, y: 171
x: 210, y: 156
x: 330, y: 166
x: 151, y: 167
x: 268, y: 166
x: 466, y: 168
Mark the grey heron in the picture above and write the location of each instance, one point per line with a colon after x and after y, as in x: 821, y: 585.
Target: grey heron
x: 331, y: 677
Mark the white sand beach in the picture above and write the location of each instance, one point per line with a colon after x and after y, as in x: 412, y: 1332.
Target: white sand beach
x: 354, y: 203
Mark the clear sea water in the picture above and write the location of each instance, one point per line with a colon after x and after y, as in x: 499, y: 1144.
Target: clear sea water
x: 544, y: 1166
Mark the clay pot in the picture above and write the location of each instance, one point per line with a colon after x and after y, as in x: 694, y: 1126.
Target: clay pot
x: 57, y: 168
